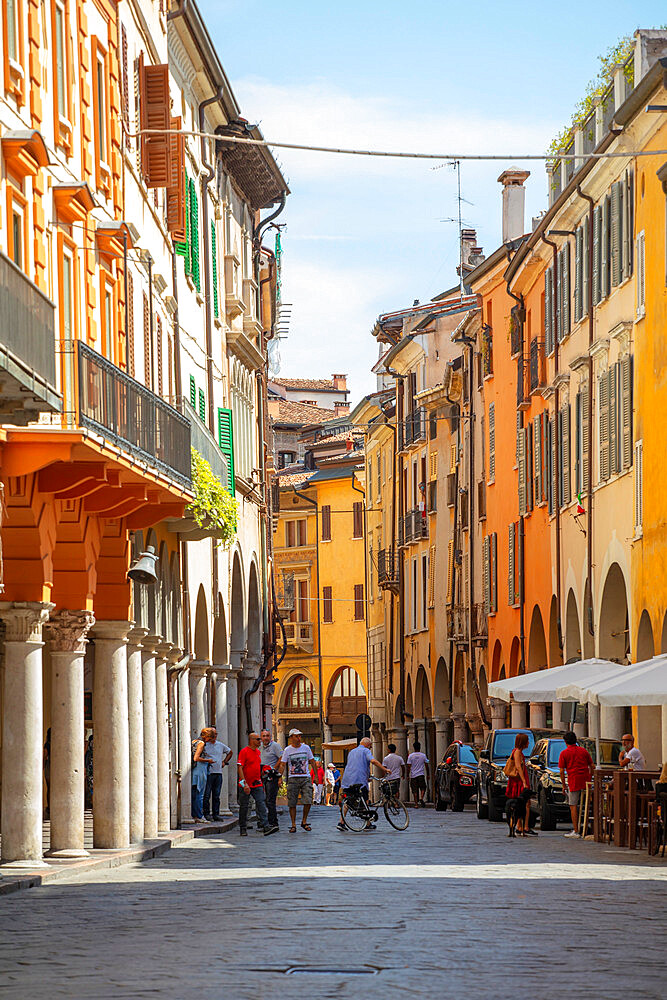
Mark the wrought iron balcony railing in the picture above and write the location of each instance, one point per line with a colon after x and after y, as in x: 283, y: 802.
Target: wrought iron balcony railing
x: 457, y: 623
x: 388, y: 568
x: 132, y: 417
x: 415, y: 525
x: 480, y: 626
x: 27, y: 347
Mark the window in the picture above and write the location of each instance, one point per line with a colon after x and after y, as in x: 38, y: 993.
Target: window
x: 303, y: 602
x: 296, y: 533
x: 424, y: 589
x: 639, y: 486
x: 130, y: 324
x: 12, y: 18
x: 286, y: 458
x: 68, y: 324
x: 490, y: 559
x: 359, y: 602
x: 348, y: 684
x: 12, y: 29
x: 301, y: 695
x: 357, y: 520
x: 61, y: 58
x: 16, y: 210
x: 100, y: 103
x: 564, y: 457
x: 379, y: 473
x: 107, y: 317
x: 581, y: 473
x: 148, y: 354
x: 326, y: 523
x: 327, y: 604
x: 201, y: 405
x: 513, y: 575
x: 641, y: 276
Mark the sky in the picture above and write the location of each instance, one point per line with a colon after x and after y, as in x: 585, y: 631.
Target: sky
x: 366, y: 236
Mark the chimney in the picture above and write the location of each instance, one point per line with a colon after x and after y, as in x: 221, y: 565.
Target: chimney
x: 341, y: 409
x: 340, y: 382
x: 514, y: 201
x: 468, y: 241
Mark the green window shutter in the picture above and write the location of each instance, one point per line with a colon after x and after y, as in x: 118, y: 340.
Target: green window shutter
x: 202, y: 404
x: 183, y: 249
x: 629, y: 223
x: 487, y: 573
x: 226, y: 442
x: 193, y: 393
x: 558, y: 304
x: 521, y: 459
x: 604, y: 275
x: 194, y: 236
x: 214, y: 271
x: 494, y: 572
x: 565, y: 322
x: 548, y: 447
x: 492, y: 442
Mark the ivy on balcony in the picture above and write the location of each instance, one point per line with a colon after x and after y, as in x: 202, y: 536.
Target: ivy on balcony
x: 213, y: 506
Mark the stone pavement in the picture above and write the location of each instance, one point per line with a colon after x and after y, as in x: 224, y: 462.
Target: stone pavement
x: 450, y: 908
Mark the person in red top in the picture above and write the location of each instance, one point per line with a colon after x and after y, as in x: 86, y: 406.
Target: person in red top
x: 250, y: 783
x: 576, y: 769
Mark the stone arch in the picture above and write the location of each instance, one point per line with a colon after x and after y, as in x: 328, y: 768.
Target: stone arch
x: 555, y: 652
x: 201, y: 644
x: 496, y: 662
x: 238, y: 630
x: 441, y: 689
x: 458, y: 692
x: 483, y: 683
x: 537, y: 645
x: 254, y: 632
x: 515, y: 657
x: 422, y: 706
x: 165, y: 595
x: 176, y: 606
x: 220, y: 651
x: 588, y: 639
x: 346, y: 697
x: 663, y: 636
x: 613, y: 628
x: 572, y: 630
x: 153, y: 593
x: 409, y: 704
x: 299, y: 694
x: 645, y: 648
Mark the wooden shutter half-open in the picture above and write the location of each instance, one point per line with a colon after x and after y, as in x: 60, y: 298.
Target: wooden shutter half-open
x: 175, y: 195
x: 492, y: 442
x: 486, y: 549
x: 494, y: 571
x: 155, y: 113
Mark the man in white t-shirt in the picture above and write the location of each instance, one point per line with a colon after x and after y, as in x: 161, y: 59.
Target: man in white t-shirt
x: 301, y: 774
x: 396, y: 767
x: 419, y: 773
x: 221, y: 755
x: 631, y: 756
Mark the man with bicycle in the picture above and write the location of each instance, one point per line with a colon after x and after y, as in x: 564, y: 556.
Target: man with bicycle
x: 357, y: 774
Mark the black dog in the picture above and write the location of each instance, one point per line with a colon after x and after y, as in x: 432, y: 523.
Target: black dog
x: 514, y: 808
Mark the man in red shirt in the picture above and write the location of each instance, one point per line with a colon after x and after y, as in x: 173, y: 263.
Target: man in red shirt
x: 576, y: 769
x: 250, y: 783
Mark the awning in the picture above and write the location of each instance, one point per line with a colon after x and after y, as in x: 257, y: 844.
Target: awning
x: 542, y: 685
x: 643, y: 683
x: 340, y: 744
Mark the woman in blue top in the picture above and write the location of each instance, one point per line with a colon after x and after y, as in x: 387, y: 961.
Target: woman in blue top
x: 200, y: 763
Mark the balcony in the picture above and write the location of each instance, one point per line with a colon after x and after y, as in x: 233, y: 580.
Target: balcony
x: 487, y: 350
x: 203, y: 442
x: 412, y: 429
x: 299, y: 635
x: 132, y: 418
x: 457, y: 623
x: 388, y: 569
x: 415, y: 526
x: 480, y: 627
x: 27, y: 348
x: 536, y: 365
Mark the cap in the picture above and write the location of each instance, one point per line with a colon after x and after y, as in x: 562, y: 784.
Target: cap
x: 295, y: 732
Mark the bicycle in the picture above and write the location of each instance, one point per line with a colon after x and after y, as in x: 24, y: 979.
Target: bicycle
x: 356, y: 813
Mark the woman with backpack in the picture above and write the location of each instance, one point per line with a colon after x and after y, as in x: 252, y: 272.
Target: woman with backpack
x: 518, y: 786
x: 200, y: 763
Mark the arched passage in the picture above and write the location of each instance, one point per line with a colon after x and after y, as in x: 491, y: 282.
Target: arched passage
x: 586, y: 612
x: 537, y: 647
x: 201, y: 643
x: 254, y: 639
x: 645, y: 647
x: 346, y: 699
x: 220, y: 646
x: 613, y: 630
x: 422, y: 706
x: 238, y: 636
x: 515, y: 657
x: 572, y: 630
x: 496, y: 661
x: 483, y: 683
x: 441, y: 690
x: 555, y: 653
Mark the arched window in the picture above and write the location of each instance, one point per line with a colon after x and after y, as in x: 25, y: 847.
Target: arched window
x: 348, y: 684
x: 243, y: 410
x: 347, y: 698
x: 301, y: 695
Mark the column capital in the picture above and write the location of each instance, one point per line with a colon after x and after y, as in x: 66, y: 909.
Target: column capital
x: 198, y: 668
x: 496, y: 703
x: 458, y: 717
x: 163, y: 649
x: 24, y: 619
x: 111, y: 630
x: 137, y: 635
x: 67, y: 631
x: 475, y: 722
x: 151, y: 642
x: 174, y: 655
x: 441, y: 723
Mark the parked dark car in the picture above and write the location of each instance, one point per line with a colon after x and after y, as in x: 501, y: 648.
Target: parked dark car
x: 491, y: 778
x: 456, y: 776
x: 547, y: 797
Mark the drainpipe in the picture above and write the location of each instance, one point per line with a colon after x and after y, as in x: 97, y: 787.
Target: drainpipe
x: 589, y: 442
x: 401, y: 577
x: 394, y: 559
x: 319, y: 617
x: 556, y: 449
x: 452, y: 664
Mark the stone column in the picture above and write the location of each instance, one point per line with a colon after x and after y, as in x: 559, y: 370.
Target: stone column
x: 223, y: 735
x: 476, y: 727
x: 67, y: 632
x: 148, y: 681
x: 163, y: 797
x: 519, y: 714
x: 111, y: 761
x: 460, y: 726
x: 174, y: 658
x: 400, y: 738
x: 538, y: 714
x: 498, y: 709
x: 233, y: 731
x: 185, y: 744
x: 22, y: 729
x: 135, y: 704
x: 376, y: 748
x: 198, y: 698
x: 440, y: 740
x: 328, y: 736
x: 611, y: 722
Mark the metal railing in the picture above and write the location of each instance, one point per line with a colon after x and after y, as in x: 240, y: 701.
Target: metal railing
x: 536, y: 365
x: 415, y: 525
x: 413, y: 428
x: 480, y: 625
x: 522, y: 396
x: 457, y: 623
x: 298, y: 633
x: 387, y: 567
x: 131, y: 417
x: 203, y: 441
x: 27, y: 329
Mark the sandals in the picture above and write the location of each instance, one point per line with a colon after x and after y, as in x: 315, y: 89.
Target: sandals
x: 292, y: 829
x: 307, y: 827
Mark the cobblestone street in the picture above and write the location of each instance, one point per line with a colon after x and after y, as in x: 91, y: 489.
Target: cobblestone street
x: 450, y: 908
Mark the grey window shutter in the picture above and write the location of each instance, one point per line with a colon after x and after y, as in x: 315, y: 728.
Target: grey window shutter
x: 566, y: 290
x: 510, y: 562
x: 626, y: 410
x: 597, y: 241
x: 578, y: 274
x: 492, y: 442
x: 494, y: 571
x: 604, y: 275
x: 616, y: 234
x: 566, y: 489
x: 549, y: 446
x: 585, y: 470
x: 537, y: 439
x: 529, y: 466
x: 603, y: 401
x: 521, y: 441
x: 487, y: 574
x: 559, y: 296
x: 518, y: 431
x: 548, y: 310
x: 585, y: 275
x: 630, y: 215
x: 612, y: 375
x: 577, y: 442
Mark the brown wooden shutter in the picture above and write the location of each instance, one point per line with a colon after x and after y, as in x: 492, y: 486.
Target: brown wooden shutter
x: 303, y: 532
x: 175, y: 198
x: 125, y: 84
x: 154, y: 113
x: 358, y: 521
x: 326, y: 523
x: 327, y: 604
x: 358, y: 602
x: 521, y: 461
x: 585, y: 465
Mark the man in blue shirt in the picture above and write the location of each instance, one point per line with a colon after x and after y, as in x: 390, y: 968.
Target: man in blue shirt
x: 358, y: 772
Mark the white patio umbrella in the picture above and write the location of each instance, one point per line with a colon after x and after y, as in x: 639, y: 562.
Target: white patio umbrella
x: 643, y: 683
x: 542, y: 685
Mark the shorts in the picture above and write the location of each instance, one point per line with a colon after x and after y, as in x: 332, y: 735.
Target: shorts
x: 418, y: 784
x: 299, y: 786
x: 573, y: 797
x: 395, y: 785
